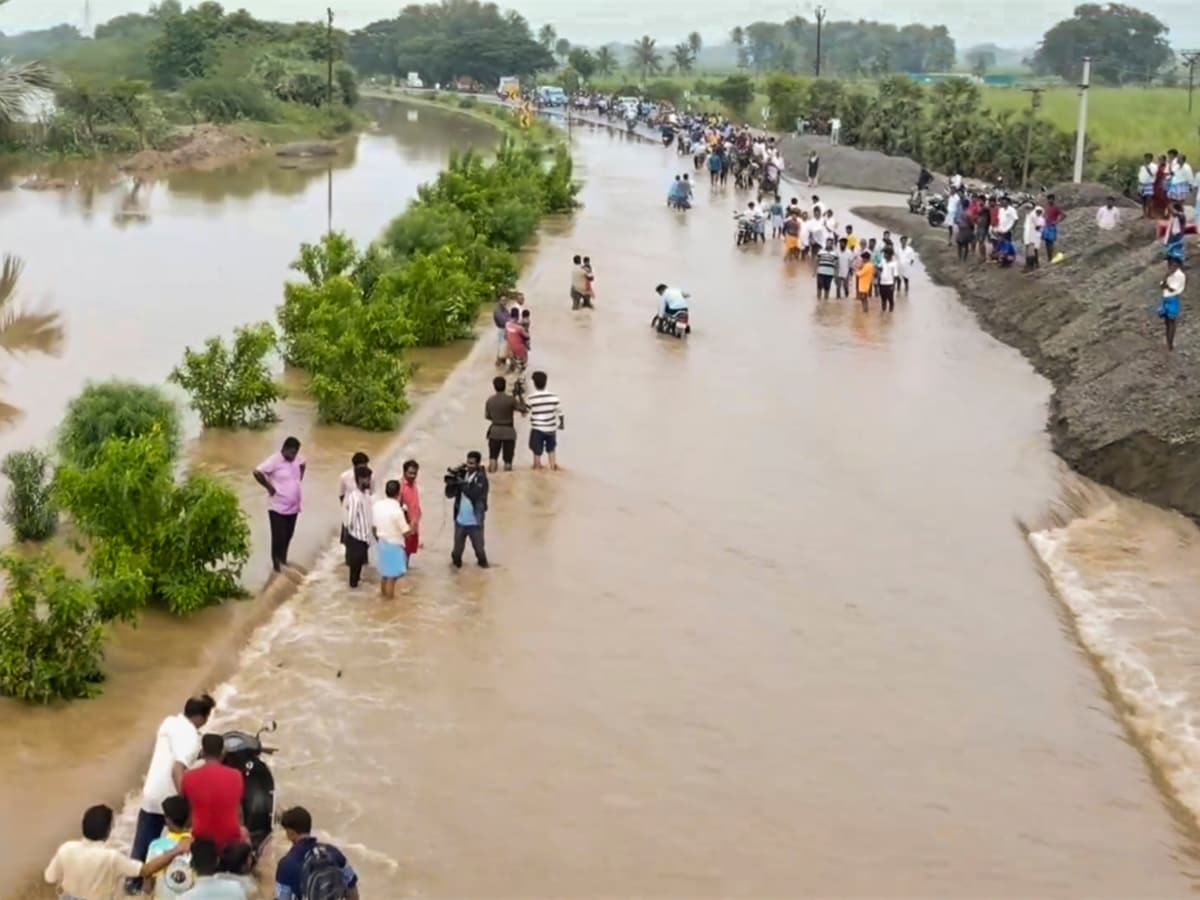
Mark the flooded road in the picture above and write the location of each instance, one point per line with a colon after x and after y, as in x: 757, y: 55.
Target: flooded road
x: 775, y: 629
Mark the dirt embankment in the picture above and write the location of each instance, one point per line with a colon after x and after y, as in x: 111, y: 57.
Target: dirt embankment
x: 843, y: 166
x: 1124, y: 411
x: 205, y: 146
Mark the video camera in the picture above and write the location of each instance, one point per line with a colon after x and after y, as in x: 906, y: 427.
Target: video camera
x: 455, y: 474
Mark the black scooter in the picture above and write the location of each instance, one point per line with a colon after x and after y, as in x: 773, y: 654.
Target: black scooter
x: 245, y: 752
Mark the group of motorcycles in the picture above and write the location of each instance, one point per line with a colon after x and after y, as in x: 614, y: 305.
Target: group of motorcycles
x: 935, y: 205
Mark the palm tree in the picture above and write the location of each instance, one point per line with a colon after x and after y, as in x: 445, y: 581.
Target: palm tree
x: 22, y: 331
x: 606, y: 62
x: 681, y: 58
x: 562, y: 47
x: 20, y: 83
x: 695, y: 42
x: 547, y: 36
x: 645, y: 56
x: 738, y: 35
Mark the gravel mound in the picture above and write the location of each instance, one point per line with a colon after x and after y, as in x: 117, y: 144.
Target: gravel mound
x: 1124, y: 411
x: 1073, y: 196
x: 844, y: 166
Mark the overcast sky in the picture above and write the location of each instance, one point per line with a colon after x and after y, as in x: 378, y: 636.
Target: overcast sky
x: 1016, y: 23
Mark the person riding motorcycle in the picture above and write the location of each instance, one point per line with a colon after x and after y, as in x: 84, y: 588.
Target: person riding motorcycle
x: 672, y: 301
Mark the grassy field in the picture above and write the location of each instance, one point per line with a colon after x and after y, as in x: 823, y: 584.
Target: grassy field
x: 1122, y: 121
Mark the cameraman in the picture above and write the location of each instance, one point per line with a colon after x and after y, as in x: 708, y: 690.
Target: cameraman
x: 467, y: 486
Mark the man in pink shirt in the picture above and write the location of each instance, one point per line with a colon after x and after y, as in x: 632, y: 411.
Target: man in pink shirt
x: 281, y: 474
x: 410, y: 499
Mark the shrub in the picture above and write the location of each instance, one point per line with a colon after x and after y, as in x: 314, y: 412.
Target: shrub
x: 347, y: 84
x: 467, y: 103
x: 50, y: 633
x: 228, y: 100
x: 151, y: 540
x: 29, y: 508
x: 232, y: 388
x: 120, y: 409
x: 439, y: 296
x: 736, y: 92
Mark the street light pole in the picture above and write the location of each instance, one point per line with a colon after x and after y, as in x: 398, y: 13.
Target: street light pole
x: 1081, y: 133
x: 820, y: 13
x: 1191, y: 57
x: 1035, y: 100
x: 329, y: 38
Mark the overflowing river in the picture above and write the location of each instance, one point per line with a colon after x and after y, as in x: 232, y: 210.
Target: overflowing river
x: 796, y: 619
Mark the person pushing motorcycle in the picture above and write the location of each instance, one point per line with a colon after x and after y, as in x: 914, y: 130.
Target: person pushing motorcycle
x: 672, y: 301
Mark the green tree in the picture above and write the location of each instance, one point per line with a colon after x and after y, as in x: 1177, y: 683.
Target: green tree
x: 695, y: 42
x: 583, y: 61
x: 115, y: 409
x: 50, y: 633
x: 1126, y: 44
x: 606, y: 62
x: 231, y: 387
x: 646, y: 58
x: 149, y: 539
x: 29, y: 508
x: 682, y: 58
x: 980, y: 60
x: 736, y: 92
x: 21, y: 83
x: 562, y: 47
x: 547, y: 36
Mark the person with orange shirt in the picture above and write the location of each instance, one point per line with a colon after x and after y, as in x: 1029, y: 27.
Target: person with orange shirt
x: 866, y: 279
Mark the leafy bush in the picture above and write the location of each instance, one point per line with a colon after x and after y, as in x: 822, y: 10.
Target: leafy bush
x: 736, y: 92
x: 467, y: 103
x: 228, y: 100
x: 232, y: 388
x: 50, y: 633
x: 29, y: 508
x: 150, y: 540
x: 120, y: 409
x: 439, y: 296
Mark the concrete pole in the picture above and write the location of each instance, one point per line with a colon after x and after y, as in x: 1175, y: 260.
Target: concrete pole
x: 1081, y: 133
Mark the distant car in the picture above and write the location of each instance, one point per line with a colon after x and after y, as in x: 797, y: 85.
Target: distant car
x: 551, y: 96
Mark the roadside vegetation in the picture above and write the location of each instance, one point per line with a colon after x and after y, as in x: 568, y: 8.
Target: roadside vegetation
x: 145, y: 77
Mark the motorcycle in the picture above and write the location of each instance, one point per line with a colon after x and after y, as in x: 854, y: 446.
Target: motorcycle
x: 676, y: 324
x: 668, y: 135
x: 916, y: 202
x: 935, y: 211
x: 245, y: 753
x: 679, y: 203
x: 748, y: 229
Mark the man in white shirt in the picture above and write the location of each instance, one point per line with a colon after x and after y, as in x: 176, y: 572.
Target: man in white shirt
x: 1108, y: 215
x: 91, y: 870
x: 176, y: 747
x: 889, y: 271
x: 907, y: 258
x: 1145, y: 176
x: 1008, y: 217
x: 347, y: 482
x: 952, y: 204
x: 835, y: 131
x: 1172, y: 290
x: 357, y: 524
x: 391, y: 529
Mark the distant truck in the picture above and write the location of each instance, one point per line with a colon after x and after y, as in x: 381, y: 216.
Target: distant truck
x: 414, y: 80
x: 509, y: 87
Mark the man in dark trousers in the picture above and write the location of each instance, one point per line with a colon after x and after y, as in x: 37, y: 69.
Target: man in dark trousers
x: 468, y: 487
x: 499, y: 410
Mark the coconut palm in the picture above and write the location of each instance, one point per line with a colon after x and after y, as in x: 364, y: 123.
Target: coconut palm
x: 738, y: 35
x: 606, y: 62
x: 682, y: 58
x: 23, y: 331
x: 646, y: 58
x: 547, y: 36
x: 695, y: 42
x: 562, y: 47
x: 20, y: 83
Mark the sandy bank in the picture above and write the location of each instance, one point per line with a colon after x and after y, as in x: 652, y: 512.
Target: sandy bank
x: 1124, y: 411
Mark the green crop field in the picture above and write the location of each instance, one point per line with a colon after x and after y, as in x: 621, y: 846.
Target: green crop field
x: 1122, y: 121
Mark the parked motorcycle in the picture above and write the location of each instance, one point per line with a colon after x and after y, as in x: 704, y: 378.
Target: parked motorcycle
x: 935, y: 211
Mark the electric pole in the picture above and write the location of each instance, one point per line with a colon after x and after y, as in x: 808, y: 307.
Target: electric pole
x: 1191, y: 57
x: 329, y: 39
x: 1081, y: 133
x: 820, y: 13
x: 1035, y: 101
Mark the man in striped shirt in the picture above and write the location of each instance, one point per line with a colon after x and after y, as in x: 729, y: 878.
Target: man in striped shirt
x: 545, y: 421
x: 827, y: 265
x: 358, y: 523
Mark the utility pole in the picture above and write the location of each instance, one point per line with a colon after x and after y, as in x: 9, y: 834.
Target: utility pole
x: 820, y: 13
x: 329, y: 40
x: 1035, y: 101
x: 1081, y: 133
x: 1191, y: 57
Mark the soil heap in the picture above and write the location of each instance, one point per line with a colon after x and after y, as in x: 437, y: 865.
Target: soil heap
x: 1124, y: 412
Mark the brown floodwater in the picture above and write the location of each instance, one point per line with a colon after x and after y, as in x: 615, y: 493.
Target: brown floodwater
x: 797, y: 617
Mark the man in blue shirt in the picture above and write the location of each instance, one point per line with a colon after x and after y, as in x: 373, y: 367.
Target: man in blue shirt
x: 290, y: 874
x: 467, y: 486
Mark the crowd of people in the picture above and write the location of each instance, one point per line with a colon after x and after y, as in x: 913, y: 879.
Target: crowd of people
x: 190, y: 842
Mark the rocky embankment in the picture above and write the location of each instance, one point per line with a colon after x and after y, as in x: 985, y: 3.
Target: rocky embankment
x: 844, y: 166
x: 1124, y: 412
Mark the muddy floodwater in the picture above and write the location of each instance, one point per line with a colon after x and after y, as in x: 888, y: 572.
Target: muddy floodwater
x: 811, y: 609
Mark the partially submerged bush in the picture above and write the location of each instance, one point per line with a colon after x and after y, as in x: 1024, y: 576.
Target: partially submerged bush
x: 232, y: 387
x: 115, y: 409
x: 151, y: 540
x: 29, y: 508
x: 50, y: 633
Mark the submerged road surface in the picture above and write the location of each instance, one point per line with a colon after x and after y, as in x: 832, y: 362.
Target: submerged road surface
x: 773, y: 630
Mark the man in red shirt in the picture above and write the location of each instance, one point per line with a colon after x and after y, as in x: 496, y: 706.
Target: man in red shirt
x: 215, y: 792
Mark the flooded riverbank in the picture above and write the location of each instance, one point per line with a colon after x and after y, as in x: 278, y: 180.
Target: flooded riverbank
x: 773, y: 631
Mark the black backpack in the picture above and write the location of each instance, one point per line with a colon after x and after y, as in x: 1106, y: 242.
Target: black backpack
x: 321, y: 877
